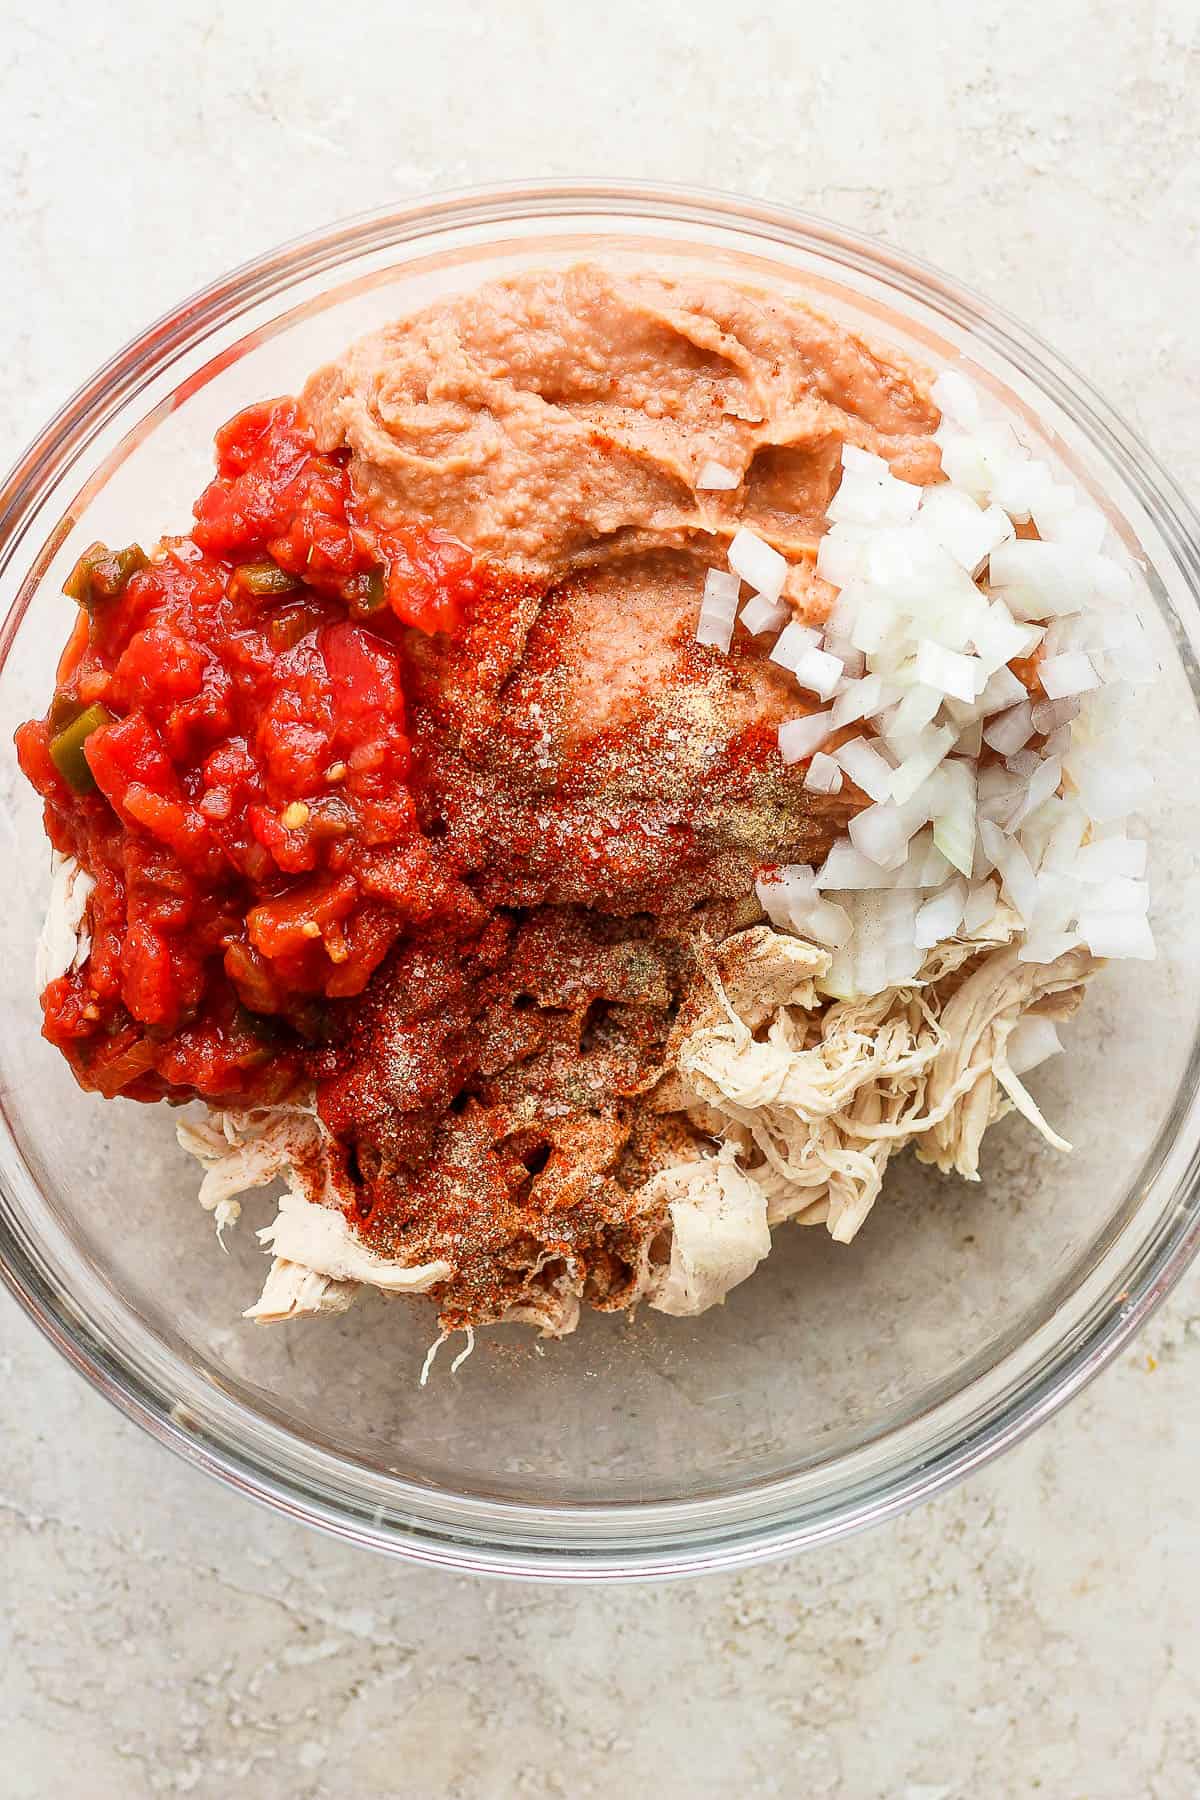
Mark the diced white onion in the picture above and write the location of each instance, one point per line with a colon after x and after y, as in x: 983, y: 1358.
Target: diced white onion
x: 1118, y: 935
x: 760, y: 614
x: 980, y: 906
x: 919, y: 706
x: 824, y: 776
x: 1065, y: 676
x: 784, y: 890
x: 961, y: 527
x: 714, y: 629
x: 846, y: 868
x: 962, y: 677
x: 853, y: 661
x: 799, y: 738
x: 716, y: 475
x: 839, y: 559
x: 1010, y: 731
x: 1014, y: 866
x: 864, y: 498
x: 864, y: 462
x: 825, y: 922
x: 954, y: 818
x: 1047, y: 946
x: 1002, y: 690
x: 791, y: 644
x: 940, y: 917
x: 929, y: 750
x: 957, y: 398
x: 918, y: 645
x: 1042, y: 782
x: 1084, y: 528
x: 998, y: 637
x: 1111, y: 857
x: 1031, y: 1042
x: 860, y: 699
x: 758, y: 563
x: 818, y: 671
x: 866, y: 768
x: 721, y: 590
x: 1051, y: 715
x: 881, y: 833
x: 970, y: 741
x: 1046, y: 577
x: 1110, y: 785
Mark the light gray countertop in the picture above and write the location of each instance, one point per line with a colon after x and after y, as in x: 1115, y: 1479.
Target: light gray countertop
x: 1036, y: 1632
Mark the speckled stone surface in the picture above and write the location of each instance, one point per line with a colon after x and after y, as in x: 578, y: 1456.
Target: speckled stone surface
x: 1036, y: 1632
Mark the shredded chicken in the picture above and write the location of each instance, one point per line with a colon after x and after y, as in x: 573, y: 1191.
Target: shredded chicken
x: 65, y: 941
x: 719, y: 1233
x: 808, y: 1098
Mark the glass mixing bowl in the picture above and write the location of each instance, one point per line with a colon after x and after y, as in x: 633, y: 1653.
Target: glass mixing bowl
x: 837, y: 1386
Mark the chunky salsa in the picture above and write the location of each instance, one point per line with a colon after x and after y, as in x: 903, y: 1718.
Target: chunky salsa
x: 227, y: 753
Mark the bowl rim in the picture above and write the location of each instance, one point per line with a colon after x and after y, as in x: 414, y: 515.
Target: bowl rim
x: 671, y: 1539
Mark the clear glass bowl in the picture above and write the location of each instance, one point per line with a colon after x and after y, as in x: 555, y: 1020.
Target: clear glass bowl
x: 840, y: 1384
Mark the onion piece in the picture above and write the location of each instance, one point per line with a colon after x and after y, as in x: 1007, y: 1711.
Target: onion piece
x: 859, y: 699
x: 957, y: 398
x: 1002, y: 690
x: 760, y: 614
x: 1083, y: 528
x: 853, y: 661
x: 954, y: 817
x: 758, y: 563
x: 715, y: 630
x: 918, y: 708
x: 818, y: 671
x: 998, y: 637
x: 881, y: 833
x: 1015, y: 868
x: 928, y: 751
x: 839, y: 558
x: 824, y: 921
x: 715, y: 475
x: 865, y: 462
x: 1118, y: 893
x: 940, y: 917
x: 791, y: 644
x: 1047, y: 946
x: 1109, y: 784
x: 824, y: 776
x: 1044, y: 781
x: 1046, y: 578
x: 782, y: 890
x: 1010, y: 731
x: 1064, y: 676
x: 969, y: 741
x: 958, y: 525
x: 799, y: 738
x: 1031, y: 1042
x: 864, y: 498
x: 1051, y: 715
x: 846, y: 869
x: 874, y: 621
x: 980, y: 907
x: 718, y: 609
x: 1118, y: 934
x: 866, y: 768
x: 1111, y: 857
x: 962, y: 677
